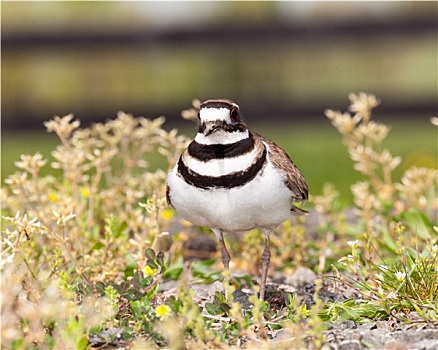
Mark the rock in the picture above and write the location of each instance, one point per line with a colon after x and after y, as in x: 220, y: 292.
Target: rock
x: 375, y: 336
x: 343, y: 325
x: 327, y: 346
x: 242, y: 298
x: 301, y: 277
x: 350, y: 345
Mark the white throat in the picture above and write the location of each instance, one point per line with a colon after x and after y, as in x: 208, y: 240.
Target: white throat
x: 221, y: 137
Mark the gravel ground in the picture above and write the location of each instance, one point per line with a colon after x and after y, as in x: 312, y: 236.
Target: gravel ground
x: 348, y: 335
x: 345, y: 335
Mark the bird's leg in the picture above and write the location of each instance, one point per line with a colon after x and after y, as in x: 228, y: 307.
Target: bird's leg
x: 225, y: 260
x: 266, y: 258
x: 224, y: 252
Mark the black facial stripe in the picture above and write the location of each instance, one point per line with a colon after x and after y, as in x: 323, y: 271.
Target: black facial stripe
x: 219, y: 151
x: 236, y: 179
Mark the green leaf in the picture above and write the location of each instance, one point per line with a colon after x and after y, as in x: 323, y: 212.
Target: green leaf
x: 131, y: 266
x: 97, y: 246
x: 175, y: 303
x: 120, y: 229
x: 418, y: 222
x: 225, y: 307
x: 213, y: 309
x: 133, y: 295
x: 389, y: 244
x: 100, y: 287
x: 220, y: 297
x: 349, y: 313
x: 151, y: 292
x: 275, y: 326
x: 174, y: 271
x: 17, y: 343
x: 84, y: 289
x: 242, y: 281
x: 202, y: 271
x: 150, y: 254
x: 160, y: 261
x: 49, y: 341
x: 152, y: 264
x: 82, y: 343
x: 121, y: 288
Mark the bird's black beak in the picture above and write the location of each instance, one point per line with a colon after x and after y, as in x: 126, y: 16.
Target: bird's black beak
x: 211, y: 129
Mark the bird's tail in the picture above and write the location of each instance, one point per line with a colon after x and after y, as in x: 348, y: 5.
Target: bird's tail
x: 298, y: 211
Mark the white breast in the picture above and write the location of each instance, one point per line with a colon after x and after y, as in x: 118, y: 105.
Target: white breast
x: 217, y: 167
x: 264, y: 202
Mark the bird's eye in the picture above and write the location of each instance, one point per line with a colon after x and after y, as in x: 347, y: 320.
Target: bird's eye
x: 234, y: 114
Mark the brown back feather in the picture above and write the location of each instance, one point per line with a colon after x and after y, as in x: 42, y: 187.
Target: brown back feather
x: 295, y: 180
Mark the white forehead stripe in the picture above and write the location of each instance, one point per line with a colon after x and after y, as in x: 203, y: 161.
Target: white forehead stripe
x: 212, y: 114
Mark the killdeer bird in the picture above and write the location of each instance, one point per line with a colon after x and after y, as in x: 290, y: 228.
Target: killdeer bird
x: 231, y: 179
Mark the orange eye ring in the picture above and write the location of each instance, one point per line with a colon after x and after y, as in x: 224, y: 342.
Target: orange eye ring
x: 234, y: 114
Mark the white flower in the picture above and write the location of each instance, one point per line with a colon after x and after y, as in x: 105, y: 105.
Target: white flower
x: 400, y: 276
x: 383, y: 267
x: 353, y: 244
x: 62, y: 219
x: 29, y: 162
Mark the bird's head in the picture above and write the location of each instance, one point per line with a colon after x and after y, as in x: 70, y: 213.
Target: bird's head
x: 220, y: 122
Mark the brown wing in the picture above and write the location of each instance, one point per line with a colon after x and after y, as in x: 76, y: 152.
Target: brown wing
x: 295, y: 180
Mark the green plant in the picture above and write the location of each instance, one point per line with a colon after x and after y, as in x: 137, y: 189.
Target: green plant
x: 393, y: 266
x: 83, y: 228
x: 97, y: 241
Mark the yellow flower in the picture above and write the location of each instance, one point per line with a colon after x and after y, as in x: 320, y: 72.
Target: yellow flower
x: 85, y: 192
x: 167, y: 214
x: 149, y: 270
x: 53, y: 197
x: 162, y: 311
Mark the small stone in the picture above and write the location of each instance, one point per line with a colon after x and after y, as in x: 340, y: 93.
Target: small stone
x: 344, y: 324
x: 301, y: 277
x: 218, y: 286
x: 242, y: 298
x: 282, y: 335
x: 350, y: 345
x: 327, y: 346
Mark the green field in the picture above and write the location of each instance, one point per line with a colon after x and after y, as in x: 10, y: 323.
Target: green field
x: 315, y: 148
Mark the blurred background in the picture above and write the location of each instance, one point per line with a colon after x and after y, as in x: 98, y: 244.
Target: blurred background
x: 283, y: 62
